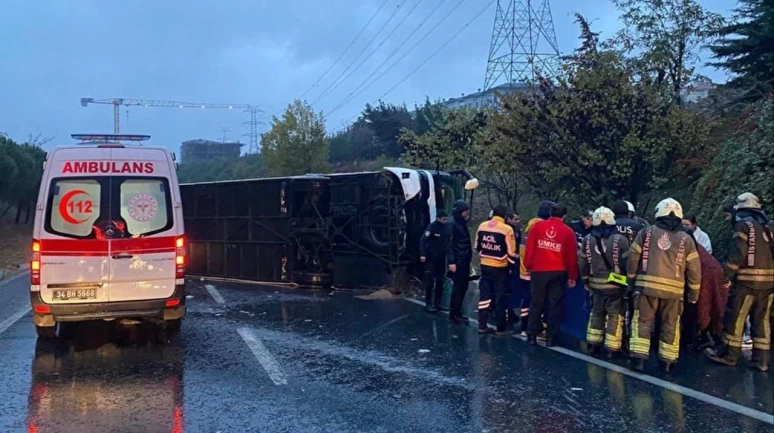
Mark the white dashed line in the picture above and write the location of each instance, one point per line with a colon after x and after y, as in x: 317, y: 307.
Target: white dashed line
x: 5, y: 324
x: 688, y: 392
x: 272, y: 367
x: 215, y: 294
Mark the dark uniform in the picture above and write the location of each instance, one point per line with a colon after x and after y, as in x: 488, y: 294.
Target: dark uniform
x: 606, y: 321
x: 663, y: 260
x: 459, y: 253
x: 432, y: 246
x: 496, y: 245
x: 630, y: 228
x: 750, y: 268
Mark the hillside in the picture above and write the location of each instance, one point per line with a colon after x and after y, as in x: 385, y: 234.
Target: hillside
x: 14, y: 246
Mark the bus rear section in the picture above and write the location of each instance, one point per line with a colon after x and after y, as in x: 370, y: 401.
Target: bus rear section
x: 108, y: 238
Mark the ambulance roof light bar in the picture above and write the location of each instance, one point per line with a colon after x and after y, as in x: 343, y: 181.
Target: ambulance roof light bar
x: 108, y: 138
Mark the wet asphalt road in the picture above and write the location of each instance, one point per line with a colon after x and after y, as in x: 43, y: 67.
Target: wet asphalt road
x: 269, y: 359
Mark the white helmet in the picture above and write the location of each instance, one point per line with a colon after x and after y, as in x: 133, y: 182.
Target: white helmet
x: 630, y: 206
x: 603, y: 215
x: 747, y: 201
x: 669, y: 206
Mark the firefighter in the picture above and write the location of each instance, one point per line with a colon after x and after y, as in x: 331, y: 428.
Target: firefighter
x: 496, y: 245
x: 602, y: 263
x: 750, y: 267
x: 432, y: 252
x: 458, y: 255
x: 663, y: 260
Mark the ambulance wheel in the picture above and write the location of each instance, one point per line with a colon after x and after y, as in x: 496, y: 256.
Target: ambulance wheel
x: 173, y: 326
x: 46, y: 331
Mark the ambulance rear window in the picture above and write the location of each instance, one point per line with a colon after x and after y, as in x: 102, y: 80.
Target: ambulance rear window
x: 108, y: 207
x: 74, y: 206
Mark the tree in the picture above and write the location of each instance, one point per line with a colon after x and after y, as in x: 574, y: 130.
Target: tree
x: 746, y: 48
x: 386, y: 122
x: 669, y: 34
x: 741, y: 164
x: 22, y: 168
x: 296, y: 143
x: 601, y: 133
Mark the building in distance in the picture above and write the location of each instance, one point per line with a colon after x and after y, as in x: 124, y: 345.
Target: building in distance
x: 207, y: 150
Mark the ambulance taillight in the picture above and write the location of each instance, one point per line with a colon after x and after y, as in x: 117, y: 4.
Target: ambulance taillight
x: 35, y: 265
x: 180, y: 260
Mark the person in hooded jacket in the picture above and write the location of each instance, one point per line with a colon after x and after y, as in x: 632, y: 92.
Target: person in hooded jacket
x: 663, y: 262
x: 749, y: 271
x: 625, y: 224
x: 604, y: 251
x: 459, y: 253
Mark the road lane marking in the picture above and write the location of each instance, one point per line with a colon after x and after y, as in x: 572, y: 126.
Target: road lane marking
x: 14, y: 278
x: 5, y: 324
x: 264, y: 357
x: 215, y: 294
x: 698, y: 395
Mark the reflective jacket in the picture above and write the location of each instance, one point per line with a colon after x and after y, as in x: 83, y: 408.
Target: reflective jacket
x: 523, y: 272
x: 432, y: 244
x: 593, y: 270
x: 496, y: 243
x: 662, y: 262
x: 750, y: 261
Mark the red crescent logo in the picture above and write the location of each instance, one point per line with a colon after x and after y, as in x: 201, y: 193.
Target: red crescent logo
x: 66, y: 201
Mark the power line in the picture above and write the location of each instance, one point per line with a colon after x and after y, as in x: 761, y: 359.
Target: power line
x: 475, y: 17
x: 405, y: 55
x: 336, y: 82
x: 338, y: 59
x: 378, y: 68
x: 386, y: 38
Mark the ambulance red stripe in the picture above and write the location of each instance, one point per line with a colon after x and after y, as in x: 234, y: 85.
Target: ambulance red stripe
x: 95, y: 247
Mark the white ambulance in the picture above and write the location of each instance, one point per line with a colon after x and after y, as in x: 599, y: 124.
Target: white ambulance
x: 108, y: 241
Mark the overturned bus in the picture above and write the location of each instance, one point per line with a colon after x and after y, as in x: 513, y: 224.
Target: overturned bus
x: 349, y: 229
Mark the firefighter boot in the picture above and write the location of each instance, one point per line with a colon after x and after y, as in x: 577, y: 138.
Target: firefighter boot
x: 723, y: 356
x: 638, y: 364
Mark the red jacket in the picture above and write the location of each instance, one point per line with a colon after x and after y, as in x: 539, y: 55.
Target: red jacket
x: 551, y: 246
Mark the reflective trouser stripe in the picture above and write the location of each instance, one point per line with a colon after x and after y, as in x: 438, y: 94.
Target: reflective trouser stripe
x: 736, y: 334
x: 594, y: 336
x: 764, y: 343
x: 670, y: 351
x: 525, y: 312
x: 484, y: 304
x: 613, y: 341
x: 638, y: 345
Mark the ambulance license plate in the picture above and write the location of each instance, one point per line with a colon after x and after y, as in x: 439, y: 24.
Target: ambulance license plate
x: 81, y: 294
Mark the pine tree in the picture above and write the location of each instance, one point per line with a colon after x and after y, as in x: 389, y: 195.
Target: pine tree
x: 746, y: 47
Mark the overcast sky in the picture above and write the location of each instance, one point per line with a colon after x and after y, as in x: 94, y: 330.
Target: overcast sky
x: 239, y: 51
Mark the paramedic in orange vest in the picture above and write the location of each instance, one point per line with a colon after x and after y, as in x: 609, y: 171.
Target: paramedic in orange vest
x: 551, y: 259
x: 496, y: 245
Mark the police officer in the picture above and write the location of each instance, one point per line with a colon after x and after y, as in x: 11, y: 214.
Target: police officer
x: 602, y: 263
x: 663, y: 260
x: 583, y: 226
x: 432, y: 252
x: 750, y: 267
x: 458, y: 255
x: 496, y: 245
x: 625, y: 223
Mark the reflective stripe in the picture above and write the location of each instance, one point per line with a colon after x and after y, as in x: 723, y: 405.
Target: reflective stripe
x: 734, y: 339
x: 693, y: 256
x: 613, y: 342
x: 661, y: 280
x: 670, y: 351
x: 761, y: 278
x: 753, y: 271
x: 660, y: 287
x: 694, y: 286
x: 732, y: 266
x: 484, y: 305
x: 637, y: 248
x: 637, y: 345
x: 741, y: 235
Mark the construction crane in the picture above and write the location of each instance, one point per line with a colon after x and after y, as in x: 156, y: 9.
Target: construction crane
x: 117, y: 102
